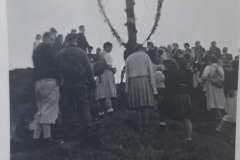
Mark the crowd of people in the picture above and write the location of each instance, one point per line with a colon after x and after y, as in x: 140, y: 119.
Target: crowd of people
x: 166, y: 78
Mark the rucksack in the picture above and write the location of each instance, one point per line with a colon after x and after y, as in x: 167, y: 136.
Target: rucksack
x: 217, y: 79
x: 99, y: 66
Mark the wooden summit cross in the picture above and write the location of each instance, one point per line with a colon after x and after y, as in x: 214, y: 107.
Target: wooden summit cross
x: 131, y: 23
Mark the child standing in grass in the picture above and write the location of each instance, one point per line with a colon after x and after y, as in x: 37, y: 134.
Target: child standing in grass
x: 160, y: 83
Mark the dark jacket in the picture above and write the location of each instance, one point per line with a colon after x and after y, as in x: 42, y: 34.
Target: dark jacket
x: 75, y: 67
x: 44, y: 62
x: 174, y: 53
x: 82, y: 41
x: 216, y: 51
x: 177, y: 82
x: 231, y: 80
x: 127, y: 53
x: 58, y: 45
x: 182, y: 63
x: 152, y: 55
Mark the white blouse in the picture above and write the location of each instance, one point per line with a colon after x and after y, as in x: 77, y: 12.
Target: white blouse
x: 108, y: 58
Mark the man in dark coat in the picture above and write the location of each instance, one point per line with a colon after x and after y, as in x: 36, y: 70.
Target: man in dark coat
x: 82, y: 41
x: 215, y: 50
x: 226, y: 55
x: 78, y: 78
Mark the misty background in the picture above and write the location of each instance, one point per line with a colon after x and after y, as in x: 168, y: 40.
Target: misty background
x: 181, y: 21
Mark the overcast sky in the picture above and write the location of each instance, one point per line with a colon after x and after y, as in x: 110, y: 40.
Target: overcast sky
x: 181, y: 21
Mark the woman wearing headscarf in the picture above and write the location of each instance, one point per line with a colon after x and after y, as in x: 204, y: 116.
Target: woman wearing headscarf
x: 140, y: 84
x: 177, y: 95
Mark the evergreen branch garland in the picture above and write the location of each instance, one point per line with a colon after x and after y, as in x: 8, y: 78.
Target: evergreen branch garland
x: 114, y: 32
x: 157, y: 18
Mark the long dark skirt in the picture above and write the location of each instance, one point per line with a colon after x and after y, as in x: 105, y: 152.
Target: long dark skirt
x: 178, y: 107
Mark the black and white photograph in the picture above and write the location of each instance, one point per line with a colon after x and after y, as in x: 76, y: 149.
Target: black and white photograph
x: 123, y: 79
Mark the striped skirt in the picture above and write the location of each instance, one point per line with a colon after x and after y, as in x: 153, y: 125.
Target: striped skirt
x: 140, y: 92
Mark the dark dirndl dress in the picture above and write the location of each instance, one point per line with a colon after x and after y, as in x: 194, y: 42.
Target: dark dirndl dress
x: 178, y: 107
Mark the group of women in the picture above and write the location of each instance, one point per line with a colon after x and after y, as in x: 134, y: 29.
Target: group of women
x: 177, y: 77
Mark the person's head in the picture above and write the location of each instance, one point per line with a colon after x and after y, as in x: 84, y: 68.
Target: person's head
x: 235, y: 64
x: 107, y: 47
x: 150, y: 45
x: 186, y: 45
x: 54, y: 31
x: 197, y: 44
x: 200, y: 52
x: 48, y: 38
x: 236, y: 57
x: 160, y: 51
x: 213, y: 59
x: 226, y: 59
x: 98, y: 50
x: 170, y: 64
x: 71, y: 39
x: 225, y: 50
x: 38, y: 37
x: 60, y: 36
x: 74, y: 31
x: 187, y: 58
x: 180, y: 54
x: 90, y: 49
x: 138, y: 47
x: 213, y: 44
x: 163, y: 48
x: 160, y: 67
x: 82, y: 29
x: 175, y: 46
x: 170, y: 47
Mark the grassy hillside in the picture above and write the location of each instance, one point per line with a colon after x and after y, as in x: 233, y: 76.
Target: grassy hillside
x: 117, y: 132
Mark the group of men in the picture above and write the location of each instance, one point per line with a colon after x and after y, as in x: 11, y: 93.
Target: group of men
x: 64, y: 65
x: 82, y: 42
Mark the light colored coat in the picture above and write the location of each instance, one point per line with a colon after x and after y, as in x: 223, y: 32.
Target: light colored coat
x: 139, y: 64
x: 215, y: 96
